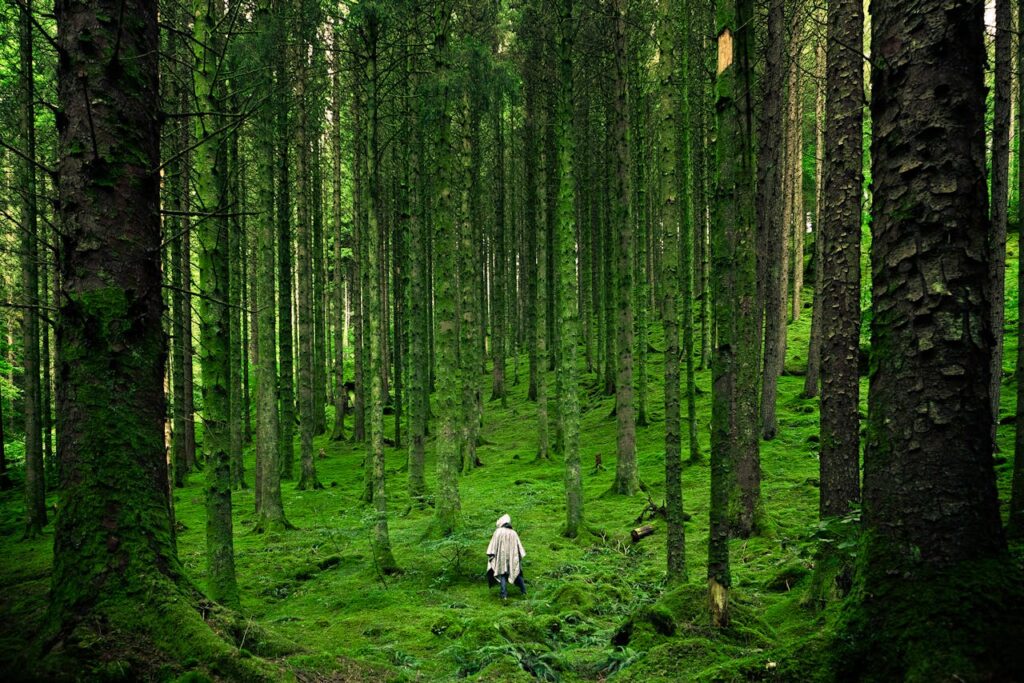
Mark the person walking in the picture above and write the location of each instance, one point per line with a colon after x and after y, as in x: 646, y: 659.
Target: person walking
x: 504, y: 555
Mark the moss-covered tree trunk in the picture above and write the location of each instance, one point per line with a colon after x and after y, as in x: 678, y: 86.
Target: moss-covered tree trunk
x: 446, y: 242
x: 469, y: 287
x: 35, y: 477
x: 933, y: 545
x: 531, y: 163
x: 735, y: 471
x: 304, y: 259
x: 118, y: 591
x: 671, y: 215
x: 419, y: 320
x: 269, y: 506
x: 540, y: 288
x: 568, y: 302
x: 338, y: 266
x: 214, y: 310
x: 498, y: 277
x: 286, y: 380
x: 626, y: 480
x: 236, y: 350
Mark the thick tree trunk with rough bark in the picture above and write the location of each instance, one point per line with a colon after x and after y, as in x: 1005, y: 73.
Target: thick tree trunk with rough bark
x: 771, y: 235
x: 933, y: 545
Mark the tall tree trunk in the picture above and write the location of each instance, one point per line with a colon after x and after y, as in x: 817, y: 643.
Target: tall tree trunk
x: 1000, y: 195
x: 1015, y: 523
x: 771, y: 225
x: 236, y: 349
x: 626, y: 480
x: 338, y: 292
x: 568, y: 310
x: 35, y: 478
x: 447, y: 505
x: 669, y: 128
x: 419, y: 322
x: 304, y: 261
x: 469, y: 287
x: 839, y: 459
x: 796, y: 225
x: 498, y: 279
x: 540, y: 288
x: 286, y: 386
x: 214, y: 312
x: 376, y: 264
x: 811, y: 379
x: 735, y: 465
x: 933, y: 545
x: 269, y: 506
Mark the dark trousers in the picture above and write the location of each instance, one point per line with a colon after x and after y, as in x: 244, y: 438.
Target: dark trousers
x: 503, y: 581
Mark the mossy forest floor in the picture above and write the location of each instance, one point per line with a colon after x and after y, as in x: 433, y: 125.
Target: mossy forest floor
x: 596, y: 609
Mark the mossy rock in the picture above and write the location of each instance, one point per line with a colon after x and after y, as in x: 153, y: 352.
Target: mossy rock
x: 647, y: 626
x: 787, y: 577
x: 522, y: 629
x: 572, y: 617
x: 688, y: 605
x: 448, y: 626
x: 573, y: 596
x: 549, y: 624
x: 610, y: 593
x: 678, y: 659
x: 479, y: 633
x: 505, y: 670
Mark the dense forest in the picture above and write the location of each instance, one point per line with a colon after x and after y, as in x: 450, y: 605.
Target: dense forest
x: 717, y: 300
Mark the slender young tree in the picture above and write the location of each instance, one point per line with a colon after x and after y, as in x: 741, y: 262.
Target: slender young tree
x: 286, y: 379
x: 1000, y: 194
x: 1015, y: 524
x: 304, y: 259
x: 338, y: 290
x: 811, y: 379
x: 236, y: 349
x: 35, y: 477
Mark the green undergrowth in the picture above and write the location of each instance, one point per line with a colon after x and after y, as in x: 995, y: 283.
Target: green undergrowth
x: 598, y: 607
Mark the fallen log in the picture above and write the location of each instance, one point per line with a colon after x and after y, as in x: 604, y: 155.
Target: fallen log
x: 641, y: 532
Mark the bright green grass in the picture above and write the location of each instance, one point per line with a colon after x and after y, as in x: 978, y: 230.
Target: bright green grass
x: 438, y: 621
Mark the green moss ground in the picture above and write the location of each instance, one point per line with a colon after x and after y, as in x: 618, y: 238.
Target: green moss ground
x: 595, y: 610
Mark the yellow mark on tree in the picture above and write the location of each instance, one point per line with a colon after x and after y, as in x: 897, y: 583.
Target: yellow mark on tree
x: 724, y: 50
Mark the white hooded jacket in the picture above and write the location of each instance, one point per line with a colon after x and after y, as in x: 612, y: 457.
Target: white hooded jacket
x: 504, y: 551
